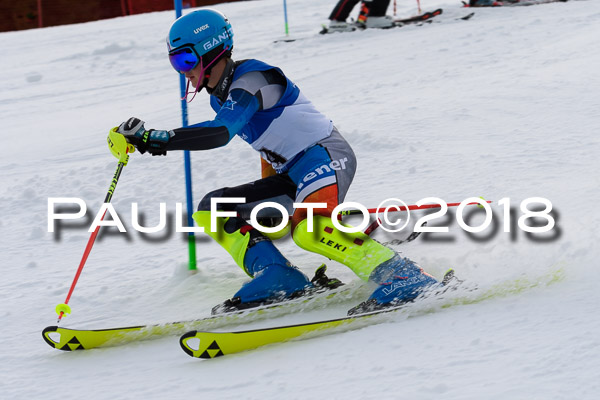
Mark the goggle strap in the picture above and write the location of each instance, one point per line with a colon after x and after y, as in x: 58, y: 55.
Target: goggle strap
x: 187, y: 88
x: 203, y: 75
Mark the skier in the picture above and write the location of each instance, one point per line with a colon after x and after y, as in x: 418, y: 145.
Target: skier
x: 304, y: 158
x: 371, y: 15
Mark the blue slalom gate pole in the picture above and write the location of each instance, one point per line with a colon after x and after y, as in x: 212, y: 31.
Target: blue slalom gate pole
x: 187, y: 162
x: 287, y: 30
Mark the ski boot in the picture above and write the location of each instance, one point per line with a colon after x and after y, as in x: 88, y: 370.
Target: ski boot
x: 274, y: 277
x: 400, y: 281
x: 383, y: 22
x: 338, y: 26
x: 275, y: 280
x: 319, y: 283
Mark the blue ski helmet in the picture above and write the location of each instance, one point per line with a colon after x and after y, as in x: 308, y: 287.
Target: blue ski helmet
x: 203, y: 35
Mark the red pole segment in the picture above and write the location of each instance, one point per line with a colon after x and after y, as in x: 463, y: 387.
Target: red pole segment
x: 93, y: 236
x: 86, y: 253
x: 403, y: 208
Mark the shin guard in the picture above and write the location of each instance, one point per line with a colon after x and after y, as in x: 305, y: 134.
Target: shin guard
x: 355, y: 250
x: 235, y: 242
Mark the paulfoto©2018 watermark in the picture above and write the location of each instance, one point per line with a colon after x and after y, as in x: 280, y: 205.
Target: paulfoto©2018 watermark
x: 392, y: 215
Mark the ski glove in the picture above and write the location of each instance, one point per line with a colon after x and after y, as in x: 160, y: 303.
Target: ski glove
x: 153, y: 141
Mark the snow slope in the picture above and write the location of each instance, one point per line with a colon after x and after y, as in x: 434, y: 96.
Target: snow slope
x: 503, y: 105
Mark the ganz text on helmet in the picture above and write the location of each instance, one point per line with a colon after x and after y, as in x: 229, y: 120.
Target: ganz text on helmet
x: 215, y: 41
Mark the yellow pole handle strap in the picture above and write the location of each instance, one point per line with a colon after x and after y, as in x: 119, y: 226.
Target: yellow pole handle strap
x: 118, y: 145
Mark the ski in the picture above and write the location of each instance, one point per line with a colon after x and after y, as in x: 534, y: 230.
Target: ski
x: 513, y: 3
x: 466, y: 17
x: 207, y: 345
x: 68, y: 339
x: 214, y: 344
x: 418, y: 18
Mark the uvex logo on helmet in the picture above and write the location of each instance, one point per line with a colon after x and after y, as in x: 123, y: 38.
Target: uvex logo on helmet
x: 202, y: 28
x: 217, y: 39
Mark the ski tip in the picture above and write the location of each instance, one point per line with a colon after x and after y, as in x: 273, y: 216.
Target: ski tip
x: 61, y: 340
x: 47, y: 338
x: 188, y: 334
x: 201, y: 345
x: 183, y: 342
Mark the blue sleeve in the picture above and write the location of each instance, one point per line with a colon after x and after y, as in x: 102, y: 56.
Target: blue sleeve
x: 233, y: 115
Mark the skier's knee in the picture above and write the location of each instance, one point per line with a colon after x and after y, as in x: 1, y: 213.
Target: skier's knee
x: 205, y: 203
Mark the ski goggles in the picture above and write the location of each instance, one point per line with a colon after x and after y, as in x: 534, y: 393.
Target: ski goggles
x: 184, y: 59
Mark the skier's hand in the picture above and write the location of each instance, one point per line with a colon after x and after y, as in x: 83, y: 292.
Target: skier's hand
x: 153, y: 141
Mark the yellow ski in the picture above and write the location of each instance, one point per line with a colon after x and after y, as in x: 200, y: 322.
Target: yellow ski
x: 215, y: 344
x: 83, y: 339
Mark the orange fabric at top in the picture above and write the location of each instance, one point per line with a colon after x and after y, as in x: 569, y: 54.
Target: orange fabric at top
x: 266, y: 169
x: 328, y: 194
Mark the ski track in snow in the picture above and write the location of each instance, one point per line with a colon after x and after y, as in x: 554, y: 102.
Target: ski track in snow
x: 503, y: 105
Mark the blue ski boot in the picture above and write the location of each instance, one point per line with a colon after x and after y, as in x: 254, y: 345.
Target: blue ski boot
x: 400, y: 281
x: 275, y: 279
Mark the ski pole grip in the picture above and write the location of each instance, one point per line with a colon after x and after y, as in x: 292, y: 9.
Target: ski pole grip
x: 118, y: 145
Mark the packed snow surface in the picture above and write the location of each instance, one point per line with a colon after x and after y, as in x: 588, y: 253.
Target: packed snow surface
x: 504, y: 105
